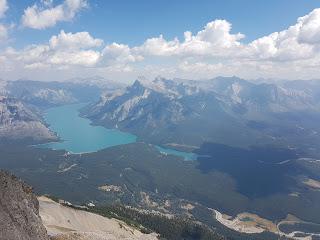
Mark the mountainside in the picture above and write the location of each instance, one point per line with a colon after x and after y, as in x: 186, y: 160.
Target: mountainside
x: 23, y: 217
x: 18, y: 122
x: 19, y: 211
x: 161, y: 111
x: 66, y: 223
x: 193, y: 112
x: 290, y: 96
x: 23, y: 101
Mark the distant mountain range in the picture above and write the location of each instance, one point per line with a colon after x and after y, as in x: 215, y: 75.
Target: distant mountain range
x: 23, y: 101
x: 48, y: 94
x: 224, y: 110
x: 188, y: 113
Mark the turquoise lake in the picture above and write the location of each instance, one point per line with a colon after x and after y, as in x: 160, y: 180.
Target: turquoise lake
x: 77, y: 135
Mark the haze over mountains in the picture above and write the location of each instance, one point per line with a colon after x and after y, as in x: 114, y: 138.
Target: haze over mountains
x: 184, y: 112
x: 23, y: 100
x: 223, y: 110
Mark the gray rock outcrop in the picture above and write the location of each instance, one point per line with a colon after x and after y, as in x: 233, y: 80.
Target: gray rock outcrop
x: 19, y: 211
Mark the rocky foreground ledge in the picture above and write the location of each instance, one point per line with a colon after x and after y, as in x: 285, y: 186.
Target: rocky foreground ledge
x: 23, y: 218
x: 66, y: 223
x: 19, y: 211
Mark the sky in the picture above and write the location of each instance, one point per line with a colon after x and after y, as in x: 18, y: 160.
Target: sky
x: 125, y: 39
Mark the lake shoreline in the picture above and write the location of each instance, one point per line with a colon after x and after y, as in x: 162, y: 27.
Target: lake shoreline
x: 77, y: 135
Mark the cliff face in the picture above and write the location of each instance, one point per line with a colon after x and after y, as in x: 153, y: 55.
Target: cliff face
x: 19, y: 211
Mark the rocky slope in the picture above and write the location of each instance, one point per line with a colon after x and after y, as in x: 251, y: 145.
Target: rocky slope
x: 19, y: 211
x: 19, y: 122
x: 23, y: 217
x: 282, y: 97
x: 64, y: 223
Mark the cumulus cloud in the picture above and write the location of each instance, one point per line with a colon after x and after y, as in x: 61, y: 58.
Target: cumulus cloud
x: 215, y: 39
x: 74, y: 40
x: 45, y: 15
x: 65, y: 49
x: 119, y: 54
x: 83, y: 58
x: 3, y: 7
x: 216, y: 49
x: 298, y: 42
x: 158, y: 46
x: 309, y: 28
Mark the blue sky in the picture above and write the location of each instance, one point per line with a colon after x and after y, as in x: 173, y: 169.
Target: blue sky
x: 123, y: 39
x: 131, y: 22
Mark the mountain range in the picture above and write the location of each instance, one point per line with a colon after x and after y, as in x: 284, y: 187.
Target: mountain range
x: 185, y: 113
x: 23, y: 102
x: 223, y: 110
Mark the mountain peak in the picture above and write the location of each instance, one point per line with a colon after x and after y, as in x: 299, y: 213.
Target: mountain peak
x: 137, y: 84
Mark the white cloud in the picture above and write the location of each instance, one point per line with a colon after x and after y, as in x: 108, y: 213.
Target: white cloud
x: 215, y: 39
x: 309, y: 28
x: 65, y: 49
x: 80, y: 40
x: 158, y: 47
x: 45, y: 15
x: 82, y: 58
x: 214, y: 50
x: 217, y: 33
x: 119, y: 54
x: 298, y: 42
x: 3, y: 7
